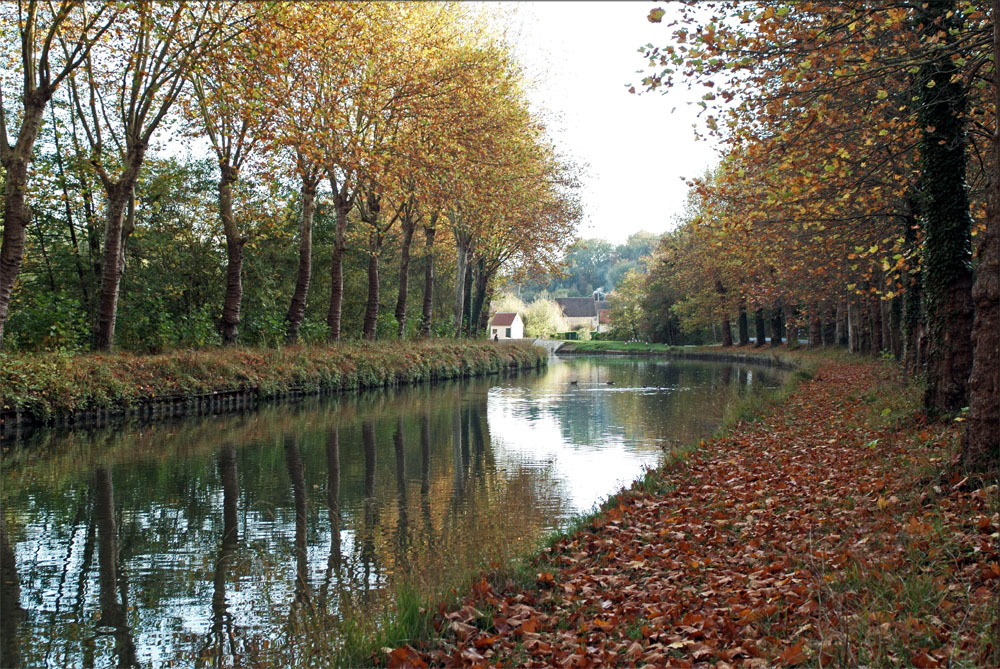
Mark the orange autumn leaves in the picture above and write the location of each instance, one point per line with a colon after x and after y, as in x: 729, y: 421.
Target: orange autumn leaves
x: 817, y: 197
x: 769, y: 548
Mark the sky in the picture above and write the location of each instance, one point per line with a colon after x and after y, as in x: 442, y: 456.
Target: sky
x: 581, y: 56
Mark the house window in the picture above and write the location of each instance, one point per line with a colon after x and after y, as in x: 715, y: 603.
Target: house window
x: 508, y: 333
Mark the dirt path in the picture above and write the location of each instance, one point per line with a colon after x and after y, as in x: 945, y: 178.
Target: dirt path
x: 806, y: 537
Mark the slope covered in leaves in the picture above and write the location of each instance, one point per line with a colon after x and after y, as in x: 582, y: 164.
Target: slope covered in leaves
x: 812, y: 536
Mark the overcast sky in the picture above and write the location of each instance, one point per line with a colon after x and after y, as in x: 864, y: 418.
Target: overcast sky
x: 582, y: 55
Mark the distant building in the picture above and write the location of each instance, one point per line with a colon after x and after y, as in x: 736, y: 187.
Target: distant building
x: 506, y: 325
x: 579, y: 311
x: 603, y: 315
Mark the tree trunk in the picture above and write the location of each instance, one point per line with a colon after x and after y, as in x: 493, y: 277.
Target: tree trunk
x: 913, y: 322
x: 409, y: 223
x: 234, y: 257
x: 792, y: 329
x: 470, y: 271
x: 895, y: 319
x: 461, y: 266
x: 371, y: 307
x: 297, y: 309
x: 864, y: 326
x: 843, y: 324
x: 484, y: 313
x: 333, y: 316
x: 482, y: 281
x: 776, y: 327
x: 815, y: 328
x: 981, y: 437
x: 743, y: 325
x: 118, y: 196
x: 875, y: 309
x: 760, y: 325
x: 852, y: 327
x: 947, y: 270
x: 16, y: 212
x: 427, y: 312
x: 883, y: 316
x: 727, y: 332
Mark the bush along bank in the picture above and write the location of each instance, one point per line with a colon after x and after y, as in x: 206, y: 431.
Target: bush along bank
x: 62, y: 389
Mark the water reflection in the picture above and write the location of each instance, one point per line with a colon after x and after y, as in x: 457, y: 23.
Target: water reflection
x: 208, y: 542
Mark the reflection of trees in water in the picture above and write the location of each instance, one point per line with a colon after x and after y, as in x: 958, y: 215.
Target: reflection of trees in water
x: 425, y: 479
x: 10, y: 600
x: 402, y: 543
x: 113, y: 612
x: 333, y: 562
x: 369, y: 566
x: 433, y: 505
x: 296, y: 475
x: 222, y: 631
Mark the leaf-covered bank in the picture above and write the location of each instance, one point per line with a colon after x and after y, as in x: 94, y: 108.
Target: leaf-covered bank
x: 43, y: 387
x: 821, y: 533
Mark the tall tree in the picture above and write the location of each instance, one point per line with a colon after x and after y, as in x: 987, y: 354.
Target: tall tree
x: 121, y: 99
x: 238, y: 119
x: 55, y: 40
x: 981, y: 438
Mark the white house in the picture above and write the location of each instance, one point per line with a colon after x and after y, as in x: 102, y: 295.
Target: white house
x: 506, y: 325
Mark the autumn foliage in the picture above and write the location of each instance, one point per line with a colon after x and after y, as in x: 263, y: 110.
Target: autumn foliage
x: 385, y: 120
x: 860, y: 144
x: 796, y: 539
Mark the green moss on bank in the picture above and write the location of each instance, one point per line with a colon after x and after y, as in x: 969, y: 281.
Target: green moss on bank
x: 43, y: 386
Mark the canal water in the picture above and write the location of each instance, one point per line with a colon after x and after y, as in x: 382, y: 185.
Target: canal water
x: 220, y: 541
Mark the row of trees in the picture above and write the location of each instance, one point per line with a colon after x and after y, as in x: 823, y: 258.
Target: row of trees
x: 861, y: 161
x: 386, y: 121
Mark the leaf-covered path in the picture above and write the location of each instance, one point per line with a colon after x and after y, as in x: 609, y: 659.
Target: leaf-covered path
x: 821, y: 534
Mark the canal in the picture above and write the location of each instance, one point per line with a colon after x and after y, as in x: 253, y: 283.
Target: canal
x: 238, y: 540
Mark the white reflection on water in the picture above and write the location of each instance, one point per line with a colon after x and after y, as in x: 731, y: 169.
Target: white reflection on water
x: 585, y: 472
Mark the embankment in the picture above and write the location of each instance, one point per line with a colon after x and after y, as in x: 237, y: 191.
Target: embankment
x: 781, y: 358
x: 82, y: 390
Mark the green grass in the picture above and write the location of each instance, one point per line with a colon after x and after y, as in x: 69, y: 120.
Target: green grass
x: 45, y: 386
x: 618, y: 346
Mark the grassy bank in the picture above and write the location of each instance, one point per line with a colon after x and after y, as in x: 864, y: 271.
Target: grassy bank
x: 822, y: 527
x: 601, y: 346
x: 779, y: 357
x: 43, y: 387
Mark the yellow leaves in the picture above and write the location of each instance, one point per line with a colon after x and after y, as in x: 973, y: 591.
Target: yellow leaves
x: 656, y: 15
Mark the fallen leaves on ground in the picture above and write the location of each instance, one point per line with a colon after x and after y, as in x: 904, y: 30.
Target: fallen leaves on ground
x: 792, y: 541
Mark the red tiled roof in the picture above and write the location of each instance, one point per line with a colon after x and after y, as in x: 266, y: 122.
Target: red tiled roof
x: 503, y: 319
